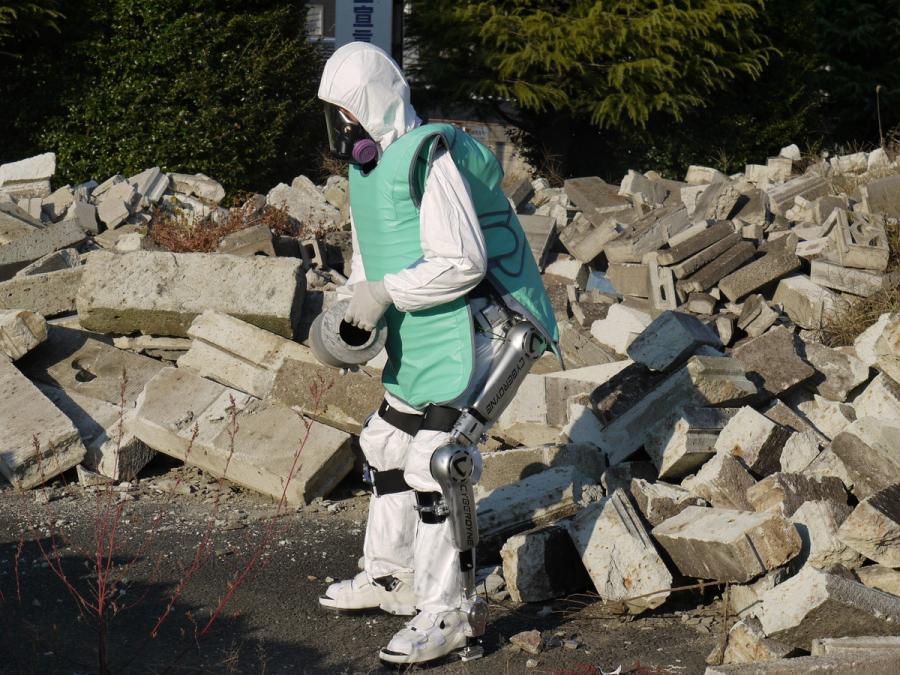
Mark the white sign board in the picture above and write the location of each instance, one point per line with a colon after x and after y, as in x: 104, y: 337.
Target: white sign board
x: 363, y: 21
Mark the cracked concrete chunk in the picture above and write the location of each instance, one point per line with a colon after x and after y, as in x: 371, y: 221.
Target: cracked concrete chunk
x: 20, y: 332
x: 755, y: 439
x: 661, y: 501
x: 772, y: 361
x: 684, y: 441
x: 723, y: 482
x: 818, y: 523
x: 542, y: 564
x: 670, y: 338
x: 873, y: 528
x: 788, y: 491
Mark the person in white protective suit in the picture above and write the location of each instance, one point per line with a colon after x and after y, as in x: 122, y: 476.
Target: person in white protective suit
x: 439, y: 256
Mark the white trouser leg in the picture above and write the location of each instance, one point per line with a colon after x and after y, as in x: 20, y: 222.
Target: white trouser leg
x: 392, y: 522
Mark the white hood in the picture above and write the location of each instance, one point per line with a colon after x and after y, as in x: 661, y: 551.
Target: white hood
x: 363, y: 79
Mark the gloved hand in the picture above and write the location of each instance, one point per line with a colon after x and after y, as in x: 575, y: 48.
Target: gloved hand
x: 369, y: 303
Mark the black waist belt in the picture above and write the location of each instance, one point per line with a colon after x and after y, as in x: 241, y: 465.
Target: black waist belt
x: 435, y: 418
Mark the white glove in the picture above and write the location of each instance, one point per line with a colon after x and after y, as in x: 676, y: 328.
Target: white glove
x: 369, y: 303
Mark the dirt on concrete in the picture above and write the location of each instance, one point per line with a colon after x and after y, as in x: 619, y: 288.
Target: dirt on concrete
x: 272, y: 623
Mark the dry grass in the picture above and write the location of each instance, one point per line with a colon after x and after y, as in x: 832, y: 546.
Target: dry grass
x: 852, y: 318
x: 177, y: 232
x: 330, y: 166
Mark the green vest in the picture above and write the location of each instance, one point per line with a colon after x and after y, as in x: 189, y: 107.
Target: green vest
x: 431, y: 352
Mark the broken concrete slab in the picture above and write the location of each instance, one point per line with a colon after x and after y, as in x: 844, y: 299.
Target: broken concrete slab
x: 620, y: 327
x: 829, y: 464
x: 162, y: 293
x: 720, y: 267
x: 686, y: 440
x: 815, y: 604
x: 253, y: 240
x: 859, y: 241
x: 619, y: 554
x: 542, y: 564
x: 36, y: 244
x: 273, y: 451
x: 746, y: 643
x: 744, y: 599
x: 817, y: 523
x: 864, y: 283
x: 704, y: 380
x: 885, y: 663
x: 695, y: 244
x: 629, y: 278
x: 839, y: 372
x: 28, y: 177
x: 720, y: 201
x: 38, y: 441
x: 865, y: 342
x: 55, y: 205
x: 504, y: 467
x: 726, y: 545
x: 49, y: 294
x: 887, y: 350
x: 856, y: 646
x: 151, y: 184
x: 660, y: 501
x: 703, y: 175
x: 758, y: 274
x: 707, y: 255
x: 880, y: 578
x: 829, y: 417
x: 701, y: 303
x: 881, y: 196
x: 723, y: 482
x: 755, y: 439
x: 808, y: 304
x: 810, y: 187
x: 669, y: 339
x: 117, y: 204
x: 198, y: 185
x: 620, y: 476
x: 64, y: 259
x: 772, y: 361
x: 647, y: 234
x: 873, y: 529
x: 20, y: 332
x: 799, y: 451
x: 786, y: 492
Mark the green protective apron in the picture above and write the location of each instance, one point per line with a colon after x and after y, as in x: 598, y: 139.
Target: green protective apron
x: 431, y: 352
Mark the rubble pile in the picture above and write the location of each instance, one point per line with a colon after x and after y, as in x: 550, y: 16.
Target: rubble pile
x: 702, y: 431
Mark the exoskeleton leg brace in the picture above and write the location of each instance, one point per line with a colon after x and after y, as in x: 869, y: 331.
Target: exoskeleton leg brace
x: 452, y: 464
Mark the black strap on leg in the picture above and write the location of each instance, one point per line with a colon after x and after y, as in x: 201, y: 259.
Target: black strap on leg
x: 408, y: 423
x: 431, y: 507
x: 435, y: 418
x: 385, y: 482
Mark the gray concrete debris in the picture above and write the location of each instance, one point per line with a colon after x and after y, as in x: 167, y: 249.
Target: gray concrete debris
x: 504, y: 467
x: 64, y: 259
x: 660, y: 501
x: 744, y: 599
x: 620, y: 476
x: 882, y: 196
x: 620, y: 327
x: 686, y: 440
x: 264, y: 453
x: 529, y: 641
x: 799, y: 450
x: 15, y: 223
x: 720, y: 201
x: 519, y: 193
x: 806, y: 303
x: 873, y: 529
x: 746, y: 643
x: 723, y: 482
x: 254, y: 240
x: 38, y: 441
x: 236, y: 353
x: 117, y: 204
x: 880, y: 578
x: 815, y: 604
x: 701, y: 303
x: 887, y: 349
x: 20, y: 332
x: 856, y: 646
x: 198, y: 185
x: 55, y: 205
x: 829, y: 417
x: 532, y: 502
x: 758, y: 274
x: 647, y: 234
x: 719, y: 267
x: 754, y: 439
x: 881, y: 663
x: 162, y: 293
x: 829, y: 464
x: 788, y: 491
x: 704, y: 380
x: 28, y: 177
x: 630, y: 278
x: 865, y: 343
x: 619, y: 554
x: 669, y: 339
x: 695, y: 244
x: 542, y: 564
x: 772, y: 361
x: 782, y: 197
x: 779, y: 412
x: 859, y: 241
x: 839, y: 372
x: 151, y: 184
x: 817, y: 523
x: 707, y: 255
x: 727, y: 545
x: 49, y: 294
x: 36, y: 244
x: 864, y: 283
x: 307, y: 207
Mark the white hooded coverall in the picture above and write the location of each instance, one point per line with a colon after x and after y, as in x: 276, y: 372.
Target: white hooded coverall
x: 364, y: 81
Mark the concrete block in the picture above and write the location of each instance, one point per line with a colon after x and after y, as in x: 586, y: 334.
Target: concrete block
x: 662, y: 285
x: 720, y: 201
x: 198, y: 185
x: 151, y: 184
x: 686, y: 440
x: 716, y: 269
x: 620, y: 327
x: 744, y: 599
x: 619, y: 554
x: 117, y: 204
x: 800, y: 449
x: 647, y: 234
x: 542, y: 564
x: 887, y: 350
x: 873, y: 529
x: 16, y: 222
x: 746, y: 643
x: 162, y: 293
x: 518, y: 194
x: 505, y: 467
x: 620, y: 476
x: 758, y: 274
x: 236, y: 353
x: 695, y: 244
x: 723, y: 482
x: 49, y: 294
x: 780, y: 168
x: 839, y: 373
x: 532, y: 502
x: 880, y: 578
x: 810, y: 187
x: 808, y: 304
x: 871, y: 664
x: 788, y: 491
x: 630, y: 278
x: 817, y: 523
x: 855, y: 646
x: 660, y: 501
x: 882, y: 196
x: 669, y: 339
x: 36, y: 244
x: 865, y: 342
x: 727, y: 545
x: 755, y: 439
x: 829, y: 464
x: 859, y: 241
x: 704, y: 380
x: 634, y: 184
x: 99, y: 190
x: 854, y: 281
x: 701, y: 303
x: 28, y: 177
x: 20, y: 332
x: 55, y: 205
x: 772, y: 362
x: 38, y: 441
x: 829, y: 417
x: 264, y: 453
x: 254, y: 240
x: 303, y: 205
x: 586, y: 237
x: 65, y: 259
x: 725, y: 324
x: 700, y: 175
x: 816, y: 604
x: 763, y: 321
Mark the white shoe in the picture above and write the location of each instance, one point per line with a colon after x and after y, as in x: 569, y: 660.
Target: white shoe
x: 427, y: 637
x: 392, y: 594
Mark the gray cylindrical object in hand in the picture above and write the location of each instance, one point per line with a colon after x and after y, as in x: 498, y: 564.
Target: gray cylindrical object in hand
x: 336, y: 343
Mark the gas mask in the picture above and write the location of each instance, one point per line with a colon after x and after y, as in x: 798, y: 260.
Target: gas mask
x: 348, y: 140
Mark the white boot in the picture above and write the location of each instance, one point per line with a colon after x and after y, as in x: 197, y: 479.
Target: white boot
x: 393, y: 595
x: 427, y: 637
